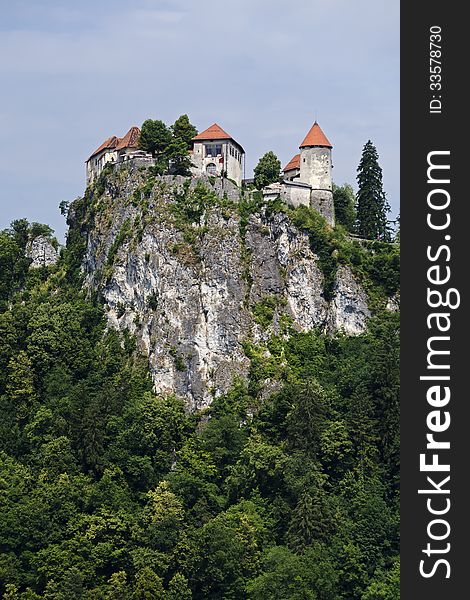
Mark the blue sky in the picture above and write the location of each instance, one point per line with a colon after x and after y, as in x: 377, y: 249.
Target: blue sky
x: 75, y: 73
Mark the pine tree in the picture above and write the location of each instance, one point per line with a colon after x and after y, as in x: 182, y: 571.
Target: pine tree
x: 397, y: 230
x: 309, y: 521
x: 184, y: 130
x: 117, y: 584
x: 182, y: 133
x: 178, y: 158
x: 178, y: 588
x: 372, y: 206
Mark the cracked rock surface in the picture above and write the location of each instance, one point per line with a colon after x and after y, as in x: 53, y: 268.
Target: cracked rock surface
x: 190, y: 303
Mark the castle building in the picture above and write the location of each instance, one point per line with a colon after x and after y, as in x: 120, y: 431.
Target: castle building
x: 115, y: 150
x: 216, y: 153
x: 292, y: 169
x: 307, y: 176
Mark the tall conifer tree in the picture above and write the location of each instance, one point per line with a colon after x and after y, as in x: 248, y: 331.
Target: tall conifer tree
x: 372, y: 205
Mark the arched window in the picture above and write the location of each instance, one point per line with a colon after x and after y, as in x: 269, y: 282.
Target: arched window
x: 211, y: 169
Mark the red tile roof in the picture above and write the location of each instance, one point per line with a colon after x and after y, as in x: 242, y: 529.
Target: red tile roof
x: 214, y: 132
x: 294, y: 163
x: 130, y: 140
x: 111, y: 142
x: 315, y: 137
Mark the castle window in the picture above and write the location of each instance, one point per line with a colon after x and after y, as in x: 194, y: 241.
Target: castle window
x: 211, y: 169
x: 213, y: 149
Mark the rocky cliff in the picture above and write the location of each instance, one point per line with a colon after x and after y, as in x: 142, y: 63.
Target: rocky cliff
x: 42, y: 252
x: 195, y: 271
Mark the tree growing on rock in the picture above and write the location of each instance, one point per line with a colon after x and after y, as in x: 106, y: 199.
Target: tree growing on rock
x: 179, y: 159
x: 169, y: 145
x: 267, y: 170
x: 155, y: 138
x: 372, y: 205
x: 182, y: 129
x: 344, y: 200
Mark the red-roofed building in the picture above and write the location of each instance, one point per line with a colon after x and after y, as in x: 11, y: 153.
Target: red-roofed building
x: 115, y: 150
x: 216, y: 153
x: 130, y: 140
x: 315, y: 169
x: 315, y: 137
x: 100, y: 157
x: 292, y: 169
x: 307, y: 176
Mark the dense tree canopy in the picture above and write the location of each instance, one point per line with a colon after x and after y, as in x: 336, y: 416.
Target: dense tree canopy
x: 169, y: 145
x: 110, y: 492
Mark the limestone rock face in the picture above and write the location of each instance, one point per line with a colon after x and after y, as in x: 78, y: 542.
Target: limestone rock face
x: 393, y: 304
x: 41, y: 252
x: 348, y: 308
x: 188, y: 292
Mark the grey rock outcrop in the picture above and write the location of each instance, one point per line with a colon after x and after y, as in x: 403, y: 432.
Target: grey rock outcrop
x: 393, y: 304
x: 348, y: 308
x: 41, y: 252
x: 188, y: 294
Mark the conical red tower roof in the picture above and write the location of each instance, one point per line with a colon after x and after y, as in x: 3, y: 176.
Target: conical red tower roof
x: 214, y: 132
x: 316, y: 137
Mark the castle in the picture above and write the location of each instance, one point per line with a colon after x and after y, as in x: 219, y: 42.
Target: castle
x: 215, y: 152
x: 115, y: 150
x: 306, y: 177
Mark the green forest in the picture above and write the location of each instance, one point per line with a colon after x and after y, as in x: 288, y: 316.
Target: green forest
x: 110, y: 492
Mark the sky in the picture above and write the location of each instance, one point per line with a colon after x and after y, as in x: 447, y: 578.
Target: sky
x: 75, y: 73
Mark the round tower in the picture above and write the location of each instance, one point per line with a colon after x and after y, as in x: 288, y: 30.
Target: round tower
x: 315, y: 170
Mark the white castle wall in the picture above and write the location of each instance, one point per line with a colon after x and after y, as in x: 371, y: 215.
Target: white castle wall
x: 231, y: 164
x: 315, y: 167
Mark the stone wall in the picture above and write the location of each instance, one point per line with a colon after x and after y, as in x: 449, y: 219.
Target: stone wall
x: 322, y: 201
x: 96, y: 164
x: 230, y: 163
x: 295, y: 193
